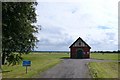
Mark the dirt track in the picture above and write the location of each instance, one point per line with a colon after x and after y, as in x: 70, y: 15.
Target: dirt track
x: 70, y: 68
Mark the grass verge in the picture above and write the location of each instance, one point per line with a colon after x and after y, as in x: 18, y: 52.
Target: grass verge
x: 103, y: 69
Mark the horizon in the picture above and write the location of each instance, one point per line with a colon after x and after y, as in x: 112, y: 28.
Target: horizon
x: 69, y: 51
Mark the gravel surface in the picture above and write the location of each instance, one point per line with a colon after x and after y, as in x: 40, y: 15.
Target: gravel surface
x: 70, y: 68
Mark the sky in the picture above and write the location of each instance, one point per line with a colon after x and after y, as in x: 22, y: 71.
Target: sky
x: 63, y: 21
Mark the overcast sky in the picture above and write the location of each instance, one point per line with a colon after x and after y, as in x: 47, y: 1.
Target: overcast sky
x: 95, y: 21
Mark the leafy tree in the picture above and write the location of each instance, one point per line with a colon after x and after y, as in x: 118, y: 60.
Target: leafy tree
x: 17, y: 30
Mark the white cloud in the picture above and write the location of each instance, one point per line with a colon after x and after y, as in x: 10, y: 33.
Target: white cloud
x: 96, y: 21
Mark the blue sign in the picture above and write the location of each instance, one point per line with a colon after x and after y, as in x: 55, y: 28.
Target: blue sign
x: 26, y: 63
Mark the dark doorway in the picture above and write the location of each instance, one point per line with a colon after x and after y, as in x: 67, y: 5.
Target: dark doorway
x: 80, y: 54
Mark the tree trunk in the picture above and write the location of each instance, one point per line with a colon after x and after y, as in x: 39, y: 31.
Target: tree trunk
x: 3, y: 58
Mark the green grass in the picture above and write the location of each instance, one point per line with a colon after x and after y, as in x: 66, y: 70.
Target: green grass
x: 44, y: 61
x: 106, y: 56
x: 40, y: 62
x: 104, y: 69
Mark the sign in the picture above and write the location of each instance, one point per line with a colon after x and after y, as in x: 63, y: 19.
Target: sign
x: 26, y: 63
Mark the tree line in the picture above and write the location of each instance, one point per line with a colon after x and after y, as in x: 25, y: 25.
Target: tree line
x: 105, y: 51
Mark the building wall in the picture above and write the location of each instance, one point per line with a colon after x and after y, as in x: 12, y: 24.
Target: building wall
x: 73, y: 51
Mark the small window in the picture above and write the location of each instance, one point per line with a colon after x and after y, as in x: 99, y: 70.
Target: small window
x: 79, y: 43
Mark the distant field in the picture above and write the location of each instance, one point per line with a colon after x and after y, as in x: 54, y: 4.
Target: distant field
x: 108, y: 56
x: 40, y: 62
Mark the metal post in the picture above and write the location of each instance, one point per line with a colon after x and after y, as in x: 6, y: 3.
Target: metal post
x: 26, y: 69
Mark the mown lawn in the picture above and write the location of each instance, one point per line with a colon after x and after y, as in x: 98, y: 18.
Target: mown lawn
x: 104, y: 69
x: 108, y: 56
x: 40, y: 62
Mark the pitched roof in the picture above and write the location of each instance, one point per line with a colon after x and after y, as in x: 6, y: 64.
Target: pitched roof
x: 82, y: 41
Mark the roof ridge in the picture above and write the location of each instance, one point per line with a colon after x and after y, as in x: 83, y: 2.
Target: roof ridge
x: 82, y: 41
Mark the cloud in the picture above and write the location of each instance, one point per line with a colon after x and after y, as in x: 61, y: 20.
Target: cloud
x: 103, y: 27
x: 95, y: 21
x: 57, y: 44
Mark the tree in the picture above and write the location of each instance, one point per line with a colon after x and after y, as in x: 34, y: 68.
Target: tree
x: 17, y: 30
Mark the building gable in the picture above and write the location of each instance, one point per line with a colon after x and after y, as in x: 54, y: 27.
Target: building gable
x: 80, y: 43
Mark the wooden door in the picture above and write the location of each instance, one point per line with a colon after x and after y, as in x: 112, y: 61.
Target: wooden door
x: 79, y: 53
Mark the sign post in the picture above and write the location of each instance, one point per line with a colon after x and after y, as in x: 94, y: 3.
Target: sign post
x: 26, y: 69
x: 26, y: 63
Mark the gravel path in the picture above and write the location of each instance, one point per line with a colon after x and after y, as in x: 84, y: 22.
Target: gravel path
x: 70, y: 68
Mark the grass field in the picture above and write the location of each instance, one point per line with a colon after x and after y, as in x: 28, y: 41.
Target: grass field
x: 40, y: 62
x: 108, y: 56
x: 44, y: 61
x: 104, y: 69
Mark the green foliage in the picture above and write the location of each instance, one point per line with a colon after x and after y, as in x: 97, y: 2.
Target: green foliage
x: 17, y: 29
x: 13, y: 58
